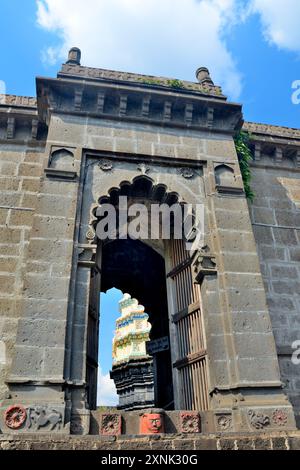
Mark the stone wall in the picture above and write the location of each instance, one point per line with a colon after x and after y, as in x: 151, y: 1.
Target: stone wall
x: 276, y: 223
x: 20, y: 172
x: 166, y: 442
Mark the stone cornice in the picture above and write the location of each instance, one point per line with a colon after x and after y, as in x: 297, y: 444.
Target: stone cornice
x: 19, y: 121
x: 18, y: 101
x: 89, y: 73
x: 162, y: 106
x: 271, y: 131
x: 274, y: 145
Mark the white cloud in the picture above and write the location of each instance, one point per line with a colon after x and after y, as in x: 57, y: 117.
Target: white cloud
x: 106, y: 391
x: 158, y: 37
x: 2, y: 87
x: 280, y: 22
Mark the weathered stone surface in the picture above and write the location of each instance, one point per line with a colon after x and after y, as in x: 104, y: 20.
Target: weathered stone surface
x: 226, y: 444
x: 279, y: 443
x: 245, y: 444
x: 29, y: 169
x: 279, y: 252
x: 136, y: 445
x: 183, y: 444
x: 206, y: 444
x: 163, y: 445
x: 19, y: 217
x: 261, y: 443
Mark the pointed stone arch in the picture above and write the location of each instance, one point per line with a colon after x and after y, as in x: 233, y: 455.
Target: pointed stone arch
x: 62, y: 159
x: 224, y: 175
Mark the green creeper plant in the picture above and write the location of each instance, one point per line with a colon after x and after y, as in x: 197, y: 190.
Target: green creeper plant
x: 152, y: 81
x: 175, y: 83
x: 242, y: 140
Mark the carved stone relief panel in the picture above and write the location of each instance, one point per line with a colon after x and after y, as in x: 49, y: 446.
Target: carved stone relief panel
x: 33, y: 418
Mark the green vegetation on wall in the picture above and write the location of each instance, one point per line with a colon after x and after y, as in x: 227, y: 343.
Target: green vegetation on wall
x: 241, y: 141
x: 175, y: 83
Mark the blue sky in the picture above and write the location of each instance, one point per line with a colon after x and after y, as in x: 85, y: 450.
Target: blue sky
x: 108, y: 314
x: 252, y: 48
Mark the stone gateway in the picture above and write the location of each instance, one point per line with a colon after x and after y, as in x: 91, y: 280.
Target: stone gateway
x: 229, y: 311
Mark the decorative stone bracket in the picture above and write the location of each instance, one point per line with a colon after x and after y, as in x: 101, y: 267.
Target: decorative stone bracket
x: 203, y: 264
x: 86, y: 255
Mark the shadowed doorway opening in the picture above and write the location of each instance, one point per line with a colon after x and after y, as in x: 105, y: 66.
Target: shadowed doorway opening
x: 134, y: 267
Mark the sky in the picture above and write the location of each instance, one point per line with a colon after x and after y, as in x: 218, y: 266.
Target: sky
x: 251, y: 47
x: 108, y: 314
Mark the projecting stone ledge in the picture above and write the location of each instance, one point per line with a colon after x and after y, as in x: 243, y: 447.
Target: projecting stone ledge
x: 274, y: 441
x: 205, y: 86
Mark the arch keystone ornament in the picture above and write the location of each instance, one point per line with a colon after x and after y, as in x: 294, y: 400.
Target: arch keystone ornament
x: 105, y: 165
x: 143, y: 168
x: 186, y: 172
